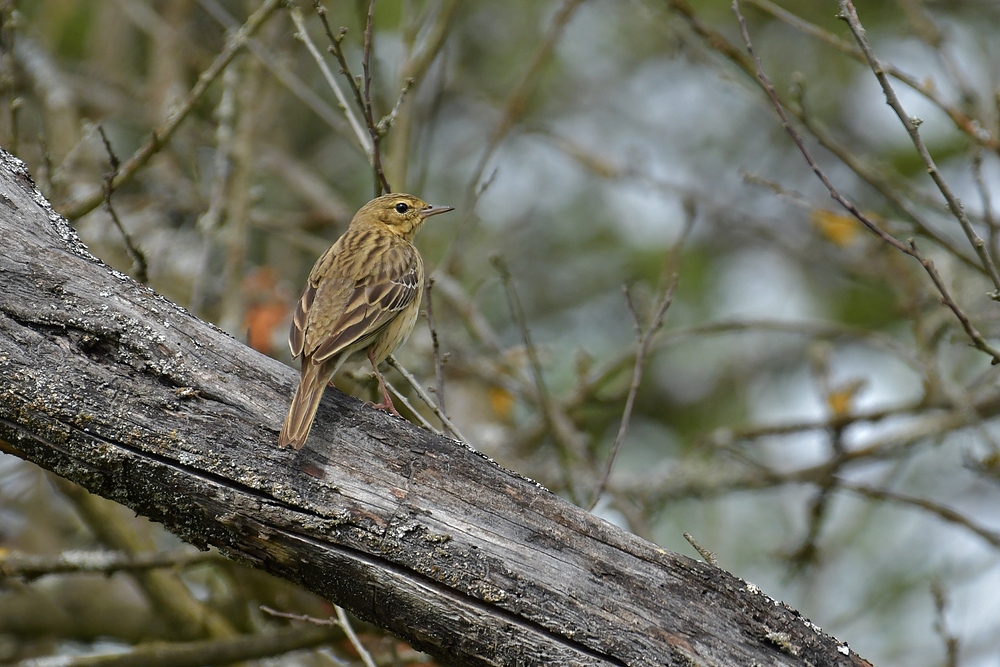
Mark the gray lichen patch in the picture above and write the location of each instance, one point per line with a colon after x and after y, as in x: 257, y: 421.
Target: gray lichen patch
x: 19, y: 170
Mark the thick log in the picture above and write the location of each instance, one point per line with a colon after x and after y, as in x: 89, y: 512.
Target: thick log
x: 114, y: 387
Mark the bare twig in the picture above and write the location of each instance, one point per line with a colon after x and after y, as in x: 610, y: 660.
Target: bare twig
x: 305, y: 618
x: 225, y: 114
x: 725, y: 437
x: 941, y: 624
x: 555, y: 423
x: 338, y: 52
x: 426, y: 398
x: 944, y: 513
x: 435, y: 346
x: 406, y: 403
x: 362, y: 94
x: 387, y: 120
x: 708, y: 556
x: 517, y: 101
x: 643, y: 343
x: 517, y: 312
x: 909, y: 248
x: 139, y: 263
x: 281, y: 72
x: 212, y: 218
x: 970, y: 126
x: 381, y: 184
x: 366, y: 657
x: 984, y: 194
x: 342, y: 622
x: 207, y: 652
x: 30, y: 566
x: 718, y: 42
x: 806, y: 554
x: 161, y: 135
x: 850, y: 15
x: 414, y: 69
x: 303, y: 34
x: 514, y: 109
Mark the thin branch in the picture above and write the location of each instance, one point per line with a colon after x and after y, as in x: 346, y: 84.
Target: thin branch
x: 514, y: 109
x: 726, y: 437
x: 708, y: 556
x: 406, y: 403
x: 201, y: 287
x: 896, y: 192
x: 941, y: 624
x: 209, y: 652
x: 161, y: 136
x: 435, y: 346
x: 345, y: 623
x: 225, y: 115
x: 944, y: 513
x: 281, y: 72
x: 718, y: 42
x: 517, y: 101
x: 643, y: 344
x: 807, y: 553
x: 139, y: 262
x: 417, y: 65
x: 426, y: 398
x: 418, y: 62
x: 970, y: 126
x: 338, y: 52
x: 517, y: 312
x: 381, y: 184
x: 303, y: 34
x: 552, y: 421
x: 342, y: 622
x: 909, y: 248
x: 385, y: 124
x: 305, y: 618
x: 31, y: 566
x: 849, y: 14
x: 987, y: 200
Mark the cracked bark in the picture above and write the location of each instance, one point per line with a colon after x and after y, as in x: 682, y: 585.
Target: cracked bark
x: 112, y: 386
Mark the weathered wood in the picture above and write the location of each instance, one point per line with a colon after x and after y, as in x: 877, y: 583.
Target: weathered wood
x: 112, y: 386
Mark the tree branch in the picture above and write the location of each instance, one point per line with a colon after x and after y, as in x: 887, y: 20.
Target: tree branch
x: 162, y: 135
x: 909, y: 248
x: 114, y: 387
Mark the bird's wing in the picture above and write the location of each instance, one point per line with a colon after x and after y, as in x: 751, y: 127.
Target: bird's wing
x: 371, y: 304
x: 297, y: 335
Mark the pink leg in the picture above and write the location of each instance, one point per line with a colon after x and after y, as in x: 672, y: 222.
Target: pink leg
x: 386, y: 403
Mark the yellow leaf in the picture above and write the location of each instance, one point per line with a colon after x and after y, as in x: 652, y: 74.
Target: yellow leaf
x: 837, y: 228
x: 840, y: 399
x: 839, y: 402
x: 502, y: 402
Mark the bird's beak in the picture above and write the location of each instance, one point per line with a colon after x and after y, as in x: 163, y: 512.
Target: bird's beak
x: 434, y: 210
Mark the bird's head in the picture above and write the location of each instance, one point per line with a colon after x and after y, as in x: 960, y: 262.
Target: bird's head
x: 401, y: 214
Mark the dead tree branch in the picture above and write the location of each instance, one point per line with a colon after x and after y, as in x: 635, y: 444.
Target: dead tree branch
x: 114, y: 387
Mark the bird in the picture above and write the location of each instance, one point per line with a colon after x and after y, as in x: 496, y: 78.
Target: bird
x: 363, y: 295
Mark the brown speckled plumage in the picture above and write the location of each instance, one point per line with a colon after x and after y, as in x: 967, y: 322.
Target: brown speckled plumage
x: 363, y: 294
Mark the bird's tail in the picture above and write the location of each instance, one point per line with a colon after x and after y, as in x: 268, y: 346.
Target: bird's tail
x: 300, y: 417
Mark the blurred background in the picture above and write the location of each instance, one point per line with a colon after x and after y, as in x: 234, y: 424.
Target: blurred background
x: 809, y: 411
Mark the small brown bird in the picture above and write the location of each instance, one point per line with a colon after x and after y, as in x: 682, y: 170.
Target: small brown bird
x: 362, y: 294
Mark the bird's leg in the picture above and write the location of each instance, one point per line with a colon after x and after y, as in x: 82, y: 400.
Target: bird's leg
x: 386, y: 403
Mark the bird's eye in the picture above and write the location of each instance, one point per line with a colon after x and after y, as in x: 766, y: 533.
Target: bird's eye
x: 402, y: 208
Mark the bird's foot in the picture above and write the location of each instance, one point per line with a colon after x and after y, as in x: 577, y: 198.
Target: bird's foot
x: 386, y: 406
